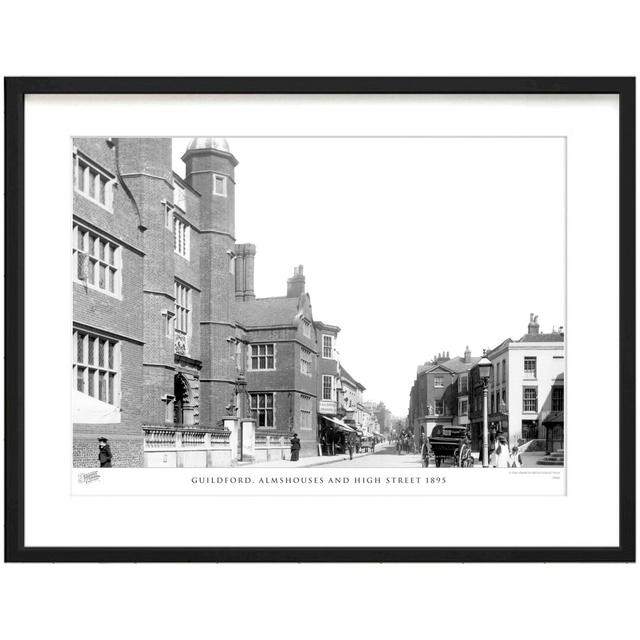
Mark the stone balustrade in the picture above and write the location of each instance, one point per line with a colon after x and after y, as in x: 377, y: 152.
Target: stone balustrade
x: 186, y: 446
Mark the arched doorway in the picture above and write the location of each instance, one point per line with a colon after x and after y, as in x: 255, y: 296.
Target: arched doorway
x: 182, y: 407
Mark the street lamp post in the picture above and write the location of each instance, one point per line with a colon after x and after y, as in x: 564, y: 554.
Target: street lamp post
x: 484, y: 369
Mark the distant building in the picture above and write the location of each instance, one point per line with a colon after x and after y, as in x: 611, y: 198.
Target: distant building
x: 352, y: 401
x: 440, y: 393
x: 525, y: 391
x: 382, y: 415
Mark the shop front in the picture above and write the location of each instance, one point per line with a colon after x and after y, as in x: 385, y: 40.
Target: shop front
x: 554, y: 431
x: 334, y: 435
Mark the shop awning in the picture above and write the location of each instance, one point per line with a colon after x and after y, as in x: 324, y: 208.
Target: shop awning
x: 555, y: 417
x: 341, y: 426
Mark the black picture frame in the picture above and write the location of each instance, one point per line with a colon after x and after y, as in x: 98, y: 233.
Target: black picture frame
x: 15, y: 91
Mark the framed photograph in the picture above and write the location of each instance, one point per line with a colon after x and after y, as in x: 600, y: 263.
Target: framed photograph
x: 320, y: 319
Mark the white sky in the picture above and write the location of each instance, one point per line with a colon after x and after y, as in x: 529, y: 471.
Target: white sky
x: 411, y: 245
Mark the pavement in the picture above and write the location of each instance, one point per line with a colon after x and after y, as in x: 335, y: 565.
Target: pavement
x: 531, y: 459
x: 385, y: 455
x: 321, y: 461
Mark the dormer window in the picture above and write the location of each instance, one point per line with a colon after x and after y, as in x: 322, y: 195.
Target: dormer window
x: 219, y: 185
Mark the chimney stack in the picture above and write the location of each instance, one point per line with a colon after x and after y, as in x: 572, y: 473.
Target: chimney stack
x: 295, y: 284
x: 244, y: 267
x: 534, y: 327
x: 467, y: 355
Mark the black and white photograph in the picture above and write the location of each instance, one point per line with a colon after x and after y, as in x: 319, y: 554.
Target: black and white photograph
x: 320, y: 320
x: 319, y: 302
x: 358, y: 306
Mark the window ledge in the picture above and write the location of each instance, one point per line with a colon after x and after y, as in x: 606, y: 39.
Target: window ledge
x: 93, y: 200
x: 93, y: 287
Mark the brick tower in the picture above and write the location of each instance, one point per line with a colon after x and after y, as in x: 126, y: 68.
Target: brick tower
x: 210, y: 171
x: 146, y: 167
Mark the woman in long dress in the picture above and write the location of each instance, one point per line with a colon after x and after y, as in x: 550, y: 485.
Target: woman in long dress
x: 501, y: 454
x: 295, y: 447
x: 516, y: 458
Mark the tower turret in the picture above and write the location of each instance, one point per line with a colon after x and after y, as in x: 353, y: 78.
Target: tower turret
x: 210, y: 167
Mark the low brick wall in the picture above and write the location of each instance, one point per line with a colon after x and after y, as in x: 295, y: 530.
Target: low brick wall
x: 127, y: 451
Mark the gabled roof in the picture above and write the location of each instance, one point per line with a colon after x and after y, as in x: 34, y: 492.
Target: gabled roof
x: 458, y: 365
x: 453, y: 365
x: 502, y: 344
x: 347, y: 376
x: 430, y: 367
x: 265, y: 312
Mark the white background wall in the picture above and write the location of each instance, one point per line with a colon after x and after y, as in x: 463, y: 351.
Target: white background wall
x: 334, y: 38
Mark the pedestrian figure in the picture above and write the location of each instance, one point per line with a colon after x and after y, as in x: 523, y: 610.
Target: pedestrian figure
x: 424, y: 452
x: 104, y: 452
x: 295, y: 447
x: 501, y: 454
x: 350, y: 448
x: 493, y: 441
x: 516, y: 458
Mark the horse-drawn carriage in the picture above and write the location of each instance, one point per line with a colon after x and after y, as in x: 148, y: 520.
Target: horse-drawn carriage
x: 448, y: 441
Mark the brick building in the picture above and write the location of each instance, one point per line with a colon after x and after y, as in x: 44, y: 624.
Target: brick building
x: 440, y: 393
x: 352, y: 401
x: 281, y: 376
x: 175, y: 360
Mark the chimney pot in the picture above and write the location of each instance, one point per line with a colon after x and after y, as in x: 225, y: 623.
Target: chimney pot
x: 295, y: 284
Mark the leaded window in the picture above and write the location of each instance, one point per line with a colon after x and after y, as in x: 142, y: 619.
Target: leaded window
x: 96, y: 261
x: 263, y: 356
x: 96, y: 366
x: 262, y: 409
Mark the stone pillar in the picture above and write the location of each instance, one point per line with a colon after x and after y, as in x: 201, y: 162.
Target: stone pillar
x: 233, y: 425
x: 248, y: 440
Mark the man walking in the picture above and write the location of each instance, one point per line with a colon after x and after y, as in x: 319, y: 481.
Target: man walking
x: 295, y: 448
x: 104, y: 452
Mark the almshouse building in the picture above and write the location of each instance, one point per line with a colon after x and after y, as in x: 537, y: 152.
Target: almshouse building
x: 175, y: 360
